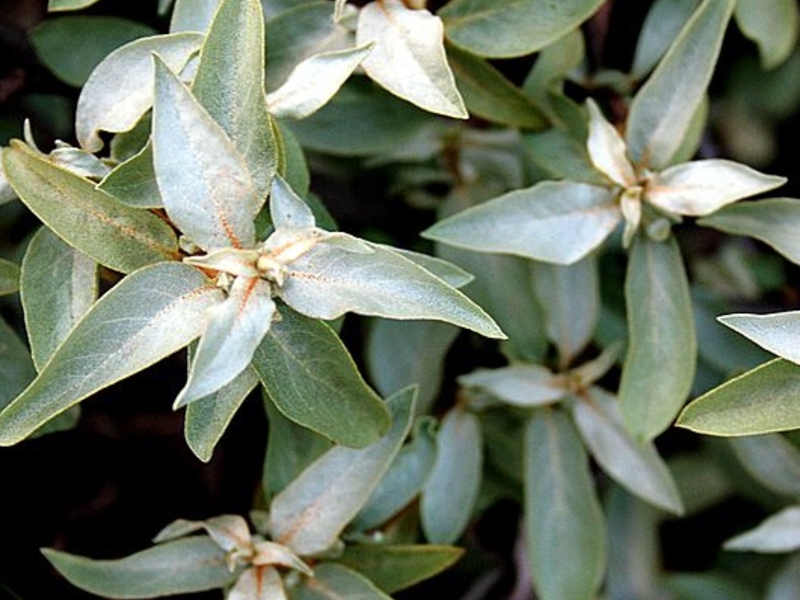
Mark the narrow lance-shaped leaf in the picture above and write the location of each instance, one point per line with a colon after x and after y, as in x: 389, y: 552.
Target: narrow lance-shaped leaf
x: 207, y: 418
x: 133, y: 182
x: 775, y: 332
x: 394, y: 568
x: 332, y: 581
x: 701, y: 187
x: 9, y: 277
x: 663, y: 23
x: 258, y: 583
x: 662, y: 110
x: 659, y: 366
x: 146, y: 317
x: 770, y: 459
x: 553, y: 221
x: 563, y: 519
x: 229, y: 84
x: 117, y: 236
x: 451, y: 490
x: 204, y: 182
x: 330, y: 280
x: 778, y: 533
x: 634, y: 465
x: 234, y: 329
x: 59, y: 285
x: 314, y: 81
x: 506, y: 28
x: 179, y: 567
x: 762, y: 400
x: 607, y: 149
x: 229, y: 532
x: 312, y: 379
x: 773, y: 221
x: 408, y: 58
x: 112, y: 103
x: 518, y: 385
x: 311, y: 512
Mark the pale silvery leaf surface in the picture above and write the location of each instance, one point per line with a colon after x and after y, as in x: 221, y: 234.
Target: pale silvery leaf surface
x: 518, y: 385
x: 311, y: 512
x: 661, y: 26
x: 146, y: 317
x: 258, y: 583
x: 777, y: 332
x: 553, y: 221
x: 115, y: 235
x: 229, y: 532
x: 451, y: 490
x: 563, y: 519
x: 333, y: 581
x: 58, y: 286
x: 287, y: 209
x: 179, y: 567
x: 636, y: 466
x: 408, y: 58
x: 662, y: 110
x: 607, y: 149
x: 208, y: 418
x: 192, y: 15
x: 229, y: 84
x: 120, y: 89
x: 330, y: 280
x: 446, y: 271
x: 233, y: 331
x: 701, y: 187
x: 314, y: 81
x: 205, y: 185
x: 133, y: 182
x: 778, y: 533
x: 7, y: 193
x: 772, y: 460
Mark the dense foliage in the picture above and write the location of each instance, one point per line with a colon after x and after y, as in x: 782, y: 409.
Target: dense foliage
x: 467, y: 262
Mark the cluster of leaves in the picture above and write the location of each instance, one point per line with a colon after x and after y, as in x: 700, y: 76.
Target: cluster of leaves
x: 188, y: 193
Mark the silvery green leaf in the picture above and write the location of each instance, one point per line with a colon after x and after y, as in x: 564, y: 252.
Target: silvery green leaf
x: 662, y: 110
x: 518, y: 385
x: 208, y: 418
x: 778, y: 533
x: 762, y: 400
x: 146, y: 317
x: 312, y: 379
x: 205, y: 185
x: 133, y: 182
x: 7, y: 193
x: 773, y: 221
x: 775, y: 332
x: 570, y: 299
x: 451, y: 490
x: 63, y: 5
x: 311, y: 512
x: 553, y: 221
x: 233, y: 261
x: 9, y: 277
x: 270, y: 553
x: 701, y: 187
x: 330, y: 280
x: 315, y: 81
x: 109, y: 102
x: 408, y: 58
x: 506, y: 28
x: 192, y: 15
x: 636, y: 466
x: 394, y: 360
x: 258, y: 583
x: 661, y: 26
x: 183, y: 566
x: 229, y: 532
x: 659, y: 365
x: 783, y: 584
x: 404, y: 479
x: 58, y: 286
x: 770, y: 459
x: 287, y: 209
x: 234, y: 328
x: 444, y: 270
x: 563, y: 519
x: 229, y: 84
x: 115, y: 235
x: 16, y: 366
x: 333, y: 581
x: 78, y: 161
x: 773, y: 26
x: 607, y: 149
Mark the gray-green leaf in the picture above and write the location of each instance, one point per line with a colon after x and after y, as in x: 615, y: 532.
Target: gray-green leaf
x: 773, y: 26
x: 180, y: 567
x: 661, y: 26
x: 115, y: 235
x: 770, y: 459
x: 563, y: 519
x: 518, y: 385
x: 660, y: 362
x: 16, y: 366
x: 133, y: 182
x: 311, y: 512
x: 776, y: 332
x: 9, y: 277
x: 147, y: 316
x: 778, y: 533
x: 553, y: 221
x: 333, y: 581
